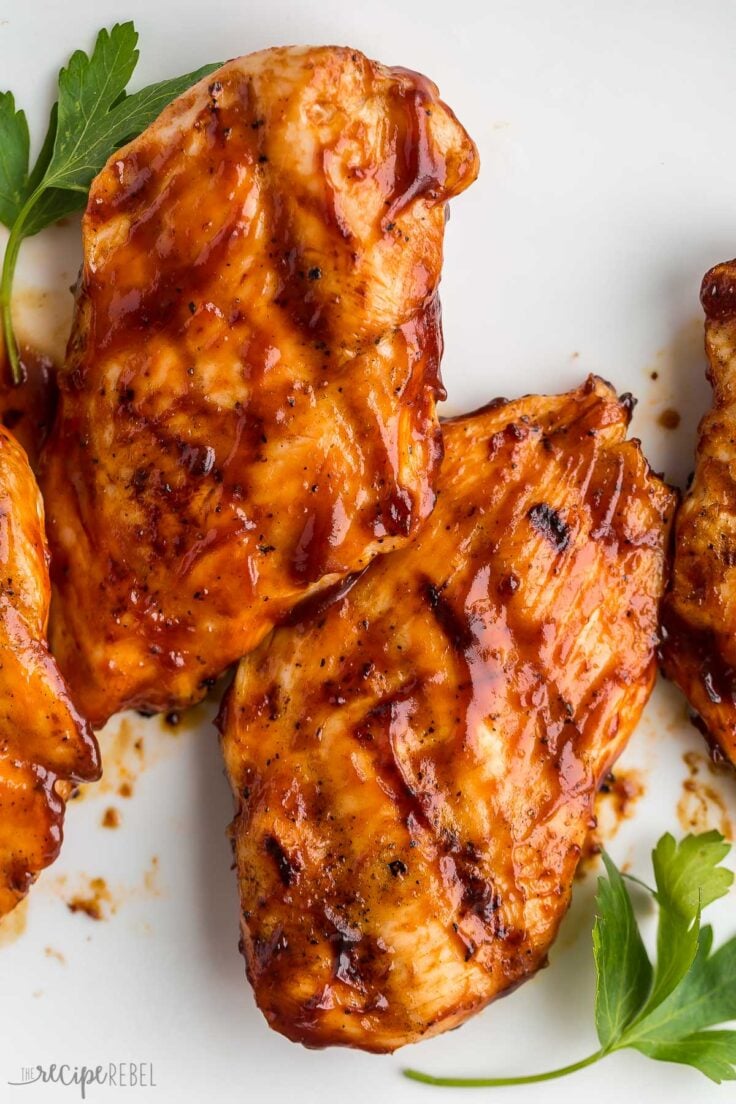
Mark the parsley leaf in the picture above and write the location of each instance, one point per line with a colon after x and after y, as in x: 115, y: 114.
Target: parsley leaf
x: 92, y: 118
x: 711, y: 1052
x: 701, y: 1000
x: 623, y: 969
x: 663, y: 1011
x: 14, y: 144
x: 688, y: 878
x: 88, y: 88
x: 688, y: 874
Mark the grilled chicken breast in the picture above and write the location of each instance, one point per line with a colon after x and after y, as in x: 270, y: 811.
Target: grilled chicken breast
x: 44, y: 743
x: 699, y: 614
x: 414, y: 758
x: 247, y: 410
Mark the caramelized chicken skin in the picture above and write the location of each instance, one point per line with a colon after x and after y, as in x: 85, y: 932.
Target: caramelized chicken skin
x: 414, y: 764
x: 44, y: 743
x: 247, y: 410
x: 699, y: 616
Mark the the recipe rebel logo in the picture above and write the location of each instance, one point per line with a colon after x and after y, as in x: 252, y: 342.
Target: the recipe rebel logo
x: 116, y: 1075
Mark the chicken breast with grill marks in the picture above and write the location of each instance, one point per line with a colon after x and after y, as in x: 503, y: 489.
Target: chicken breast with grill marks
x: 247, y: 409
x: 699, y: 616
x: 44, y: 743
x: 414, y: 760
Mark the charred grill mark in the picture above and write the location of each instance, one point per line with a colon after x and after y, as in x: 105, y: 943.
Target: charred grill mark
x: 507, y: 438
x: 468, y: 944
x: 549, y: 524
x: 480, y: 898
x: 288, y: 867
x: 169, y: 494
x: 312, y: 608
x: 453, y: 626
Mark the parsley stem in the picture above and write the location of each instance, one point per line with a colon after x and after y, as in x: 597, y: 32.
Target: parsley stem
x: 496, y: 1082
x: 6, y: 285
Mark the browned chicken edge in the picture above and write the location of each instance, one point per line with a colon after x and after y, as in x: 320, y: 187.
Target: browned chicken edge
x: 699, y: 611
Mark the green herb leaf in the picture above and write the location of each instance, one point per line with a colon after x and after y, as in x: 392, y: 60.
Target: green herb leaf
x: 14, y: 145
x: 623, y: 969
x: 702, y: 999
x: 95, y: 115
x: 688, y: 878
x: 711, y: 1052
x: 660, y: 1012
x: 88, y: 88
x: 51, y: 206
x: 688, y: 874
x: 92, y: 118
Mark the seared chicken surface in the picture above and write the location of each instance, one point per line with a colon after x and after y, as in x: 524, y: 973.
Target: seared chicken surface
x: 44, y: 743
x: 414, y: 762
x: 247, y: 410
x: 699, y: 616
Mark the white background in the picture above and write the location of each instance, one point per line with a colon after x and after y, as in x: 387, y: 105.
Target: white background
x: 608, y: 187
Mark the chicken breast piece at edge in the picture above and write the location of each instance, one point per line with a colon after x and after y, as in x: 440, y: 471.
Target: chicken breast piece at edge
x: 44, y: 743
x: 699, y: 613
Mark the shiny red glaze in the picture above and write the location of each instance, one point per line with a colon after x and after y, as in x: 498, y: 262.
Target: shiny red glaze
x: 247, y: 410
x: 414, y: 766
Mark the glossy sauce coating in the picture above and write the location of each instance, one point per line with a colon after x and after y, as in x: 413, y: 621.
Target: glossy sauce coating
x: 44, y: 743
x: 699, y: 614
x: 247, y: 410
x: 414, y: 766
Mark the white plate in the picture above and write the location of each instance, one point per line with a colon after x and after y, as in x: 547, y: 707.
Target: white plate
x: 608, y: 188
